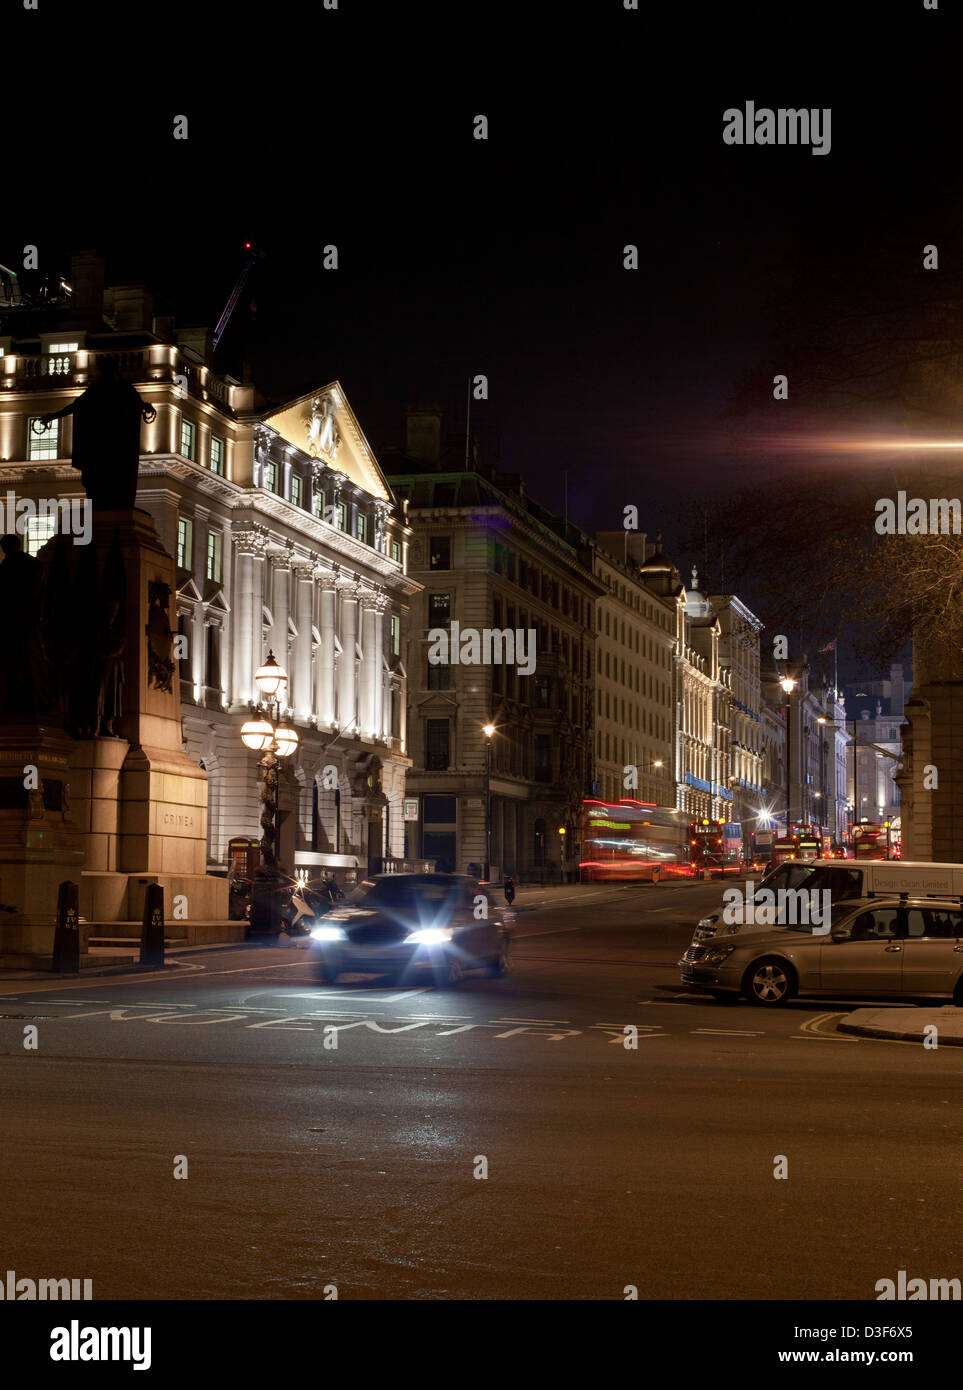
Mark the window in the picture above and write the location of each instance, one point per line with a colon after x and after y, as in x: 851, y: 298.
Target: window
x: 439, y: 676
x: 396, y: 551
x: 543, y: 692
x: 875, y: 926
x: 213, y: 657
x: 43, y: 444
x: 439, y: 610
x: 217, y: 455
x: 439, y: 810
x: 395, y: 635
x: 437, y: 745
x: 39, y: 531
x: 543, y: 758
x: 185, y: 542
x: 439, y: 553
x: 318, y: 503
x: 297, y: 490
x: 361, y: 527
x: 187, y: 439
x: 269, y: 476
x: 214, y: 541
x: 63, y: 347
x: 341, y: 516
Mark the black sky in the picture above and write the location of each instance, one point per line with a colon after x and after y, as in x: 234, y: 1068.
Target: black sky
x: 501, y: 257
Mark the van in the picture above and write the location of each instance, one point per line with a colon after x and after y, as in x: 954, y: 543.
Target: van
x: 843, y: 878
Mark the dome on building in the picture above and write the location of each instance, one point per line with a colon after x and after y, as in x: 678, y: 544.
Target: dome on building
x: 696, y: 603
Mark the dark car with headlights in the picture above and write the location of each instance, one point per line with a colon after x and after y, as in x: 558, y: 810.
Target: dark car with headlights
x: 413, y: 926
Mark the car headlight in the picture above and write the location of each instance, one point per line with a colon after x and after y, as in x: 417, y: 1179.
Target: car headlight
x: 718, y: 954
x: 327, y: 933
x: 428, y: 936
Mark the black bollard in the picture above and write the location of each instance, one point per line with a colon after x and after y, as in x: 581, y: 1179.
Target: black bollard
x: 66, y: 949
x: 152, y: 926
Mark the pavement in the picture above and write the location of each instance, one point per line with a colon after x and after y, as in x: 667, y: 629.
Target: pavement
x: 907, y: 1025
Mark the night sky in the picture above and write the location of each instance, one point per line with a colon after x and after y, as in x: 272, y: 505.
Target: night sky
x: 505, y: 257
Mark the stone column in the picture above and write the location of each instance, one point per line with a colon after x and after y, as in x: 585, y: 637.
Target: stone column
x: 246, y: 618
x: 369, y: 667
x: 347, y: 692
x: 280, y: 607
x: 304, y: 617
x: 377, y: 722
x: 326, y: 703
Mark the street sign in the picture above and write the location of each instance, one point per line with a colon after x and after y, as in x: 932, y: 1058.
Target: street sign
x: 411, y: 809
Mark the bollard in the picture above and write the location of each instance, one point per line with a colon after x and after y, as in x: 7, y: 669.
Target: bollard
x: 152, y: 926
x: 66, y: 948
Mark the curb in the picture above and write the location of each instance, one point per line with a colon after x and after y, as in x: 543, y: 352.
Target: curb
x: 914, y: 1035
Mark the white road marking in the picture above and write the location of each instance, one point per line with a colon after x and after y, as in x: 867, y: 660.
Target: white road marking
x: 727, y: 1032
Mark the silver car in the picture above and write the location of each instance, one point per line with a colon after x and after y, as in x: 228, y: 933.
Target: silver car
x: 879, y: 947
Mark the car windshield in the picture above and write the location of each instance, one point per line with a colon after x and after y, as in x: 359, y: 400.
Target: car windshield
x: 837, y: 912
x: 405, y: 895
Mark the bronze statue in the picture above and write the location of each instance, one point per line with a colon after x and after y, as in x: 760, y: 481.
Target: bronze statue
x: 106, y: 444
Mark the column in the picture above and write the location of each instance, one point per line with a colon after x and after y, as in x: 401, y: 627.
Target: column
x: 304, y: 617
x: 280, y: 607
x: 347, y: 698
x: 369, y: 665
x: 378, y: 721
x: 326, y: 706
x: 246, y: 617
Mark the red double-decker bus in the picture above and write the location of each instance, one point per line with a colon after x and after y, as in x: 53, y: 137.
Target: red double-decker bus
x: 636, y: 841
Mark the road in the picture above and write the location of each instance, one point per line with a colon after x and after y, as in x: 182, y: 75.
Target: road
x: 332, y: 1135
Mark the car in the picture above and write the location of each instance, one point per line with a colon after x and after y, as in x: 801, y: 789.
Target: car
x: 883, y: 946
x: 409, y: 926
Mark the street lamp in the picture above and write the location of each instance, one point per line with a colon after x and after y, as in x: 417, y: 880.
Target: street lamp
x: 272, y: 736
x: 489, y: 731
x: 788, y: 685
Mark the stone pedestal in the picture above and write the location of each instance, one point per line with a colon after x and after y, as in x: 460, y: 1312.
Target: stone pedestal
x: 142, y: 800
x: 40, y: 842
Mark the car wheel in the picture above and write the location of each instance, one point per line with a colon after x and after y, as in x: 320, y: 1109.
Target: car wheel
x: 769, y: 981
x: 502, y: 964
x: 447, y: 973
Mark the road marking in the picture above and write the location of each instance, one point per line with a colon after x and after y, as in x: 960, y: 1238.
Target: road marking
x: 408, y: 994
x: 729, y: 1032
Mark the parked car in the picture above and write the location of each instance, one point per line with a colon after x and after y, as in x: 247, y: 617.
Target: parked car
x: 885, y: 946
x: 844, y: 879
x: 411, y: 925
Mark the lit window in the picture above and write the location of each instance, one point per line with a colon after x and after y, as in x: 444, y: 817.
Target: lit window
x: 39, y: 531
x: 296, y: 490
x: 395, y: 635
x: 396, y: 551
x: 217, y: 455
x: 185, y: 542
x: 63, y: 347
x: 43, y: 444
x: 270, y: 480
x: 341, y: 517
x: 319, y: 503
x: 214, y: 556
x: 362, y: 525
x: 187, y: 439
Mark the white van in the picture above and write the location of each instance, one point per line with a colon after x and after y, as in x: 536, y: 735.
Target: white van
x: 843, y: 879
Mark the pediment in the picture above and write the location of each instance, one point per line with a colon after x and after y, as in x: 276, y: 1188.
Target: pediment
x: 322, y: 425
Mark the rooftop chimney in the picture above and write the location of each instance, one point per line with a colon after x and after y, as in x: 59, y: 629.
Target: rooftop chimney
x: 133, y: 308
x: 423, y: 432
x: 87, y: 281
x: 196, y: 340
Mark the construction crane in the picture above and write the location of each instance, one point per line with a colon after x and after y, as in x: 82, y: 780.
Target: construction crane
x: 231, y: 304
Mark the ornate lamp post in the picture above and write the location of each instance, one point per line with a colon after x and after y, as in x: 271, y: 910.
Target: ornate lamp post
x: 272, y: 736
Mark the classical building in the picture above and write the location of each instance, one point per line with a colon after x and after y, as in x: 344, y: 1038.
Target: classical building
x: 739, y: 631
x: 286, y: 538
x: 637, y: 633
x: 490, y: 560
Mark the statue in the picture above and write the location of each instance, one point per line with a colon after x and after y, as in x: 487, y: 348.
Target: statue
x: 160, y: 638
x: 106, y: 446
x: 323, y: 437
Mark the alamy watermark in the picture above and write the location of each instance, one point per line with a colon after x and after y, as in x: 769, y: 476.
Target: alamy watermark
x: 782, y: 126
x: 29, y: 1290
x: 918, y: 516
x: 493, y: 646
x: 71, y: 516
x: 787, y: 907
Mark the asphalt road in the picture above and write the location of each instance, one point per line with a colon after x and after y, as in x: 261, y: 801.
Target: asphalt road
x: 332, y: 1135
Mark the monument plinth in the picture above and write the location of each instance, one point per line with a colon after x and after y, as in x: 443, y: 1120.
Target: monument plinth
x: 143, y: 802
